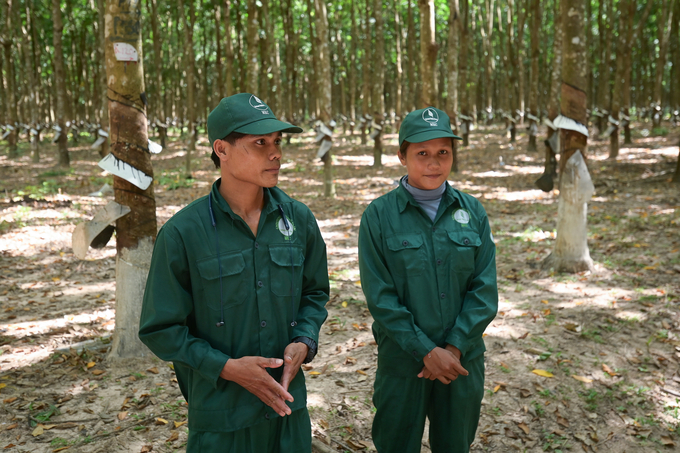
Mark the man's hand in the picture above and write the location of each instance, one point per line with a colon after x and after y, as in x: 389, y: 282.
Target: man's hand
x: 443, y: 364
x: 249, y: 373
x: 293, y: 357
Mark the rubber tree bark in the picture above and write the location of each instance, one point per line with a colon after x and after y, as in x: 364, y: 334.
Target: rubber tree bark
x: 8, y: 46
x: 158, y: 103
x: 253, y: 33
x: 135, y: 232
x: 428, y: 53
x: 463, y: 69
x: 378, y: 82
x: 452, y: 70
x: 324, y: 89
x: 534, y: 80
x: 189, y: 67
x: 33, y: 88
x: 60, y: 111
x: 665, y: 20
x: 398, y: 68
x: 571, y: 252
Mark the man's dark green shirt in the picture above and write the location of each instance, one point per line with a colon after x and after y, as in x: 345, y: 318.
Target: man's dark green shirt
x: 182, y: 303
x: 427, y: 283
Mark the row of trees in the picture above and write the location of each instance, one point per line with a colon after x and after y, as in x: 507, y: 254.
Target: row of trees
x: 480, y: 60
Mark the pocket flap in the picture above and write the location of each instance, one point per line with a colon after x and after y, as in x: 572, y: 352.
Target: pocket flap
x: 465, y: 238
x: 282, y: 254
x: 231, y: 264
x: 403, y: 241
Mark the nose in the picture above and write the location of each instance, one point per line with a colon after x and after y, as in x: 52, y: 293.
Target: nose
x: 275, y: 152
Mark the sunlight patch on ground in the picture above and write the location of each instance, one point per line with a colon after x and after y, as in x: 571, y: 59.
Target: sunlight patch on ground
x: 501, y: 193
x: 25, y: 240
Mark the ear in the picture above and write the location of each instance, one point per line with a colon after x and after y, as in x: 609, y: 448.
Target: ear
x: 220, y: 148
x: 402, y: 157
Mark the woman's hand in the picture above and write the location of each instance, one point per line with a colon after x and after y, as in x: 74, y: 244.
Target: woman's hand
x: 443, y: 364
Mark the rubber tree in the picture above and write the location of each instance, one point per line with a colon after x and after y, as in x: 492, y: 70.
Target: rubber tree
x: 428, y: 53
x: 378, y: 82
x: 135, y: 232
x: 534, y: 79
x: 324, y: 89
x: 452, y: 70
x: 571, y: 253
x: 8, y: 45
x: 189, y: 67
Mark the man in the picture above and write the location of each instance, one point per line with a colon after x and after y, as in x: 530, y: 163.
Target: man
x: 236, y: 293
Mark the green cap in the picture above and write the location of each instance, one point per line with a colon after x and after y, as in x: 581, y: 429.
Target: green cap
x: 247, y: 114
x: 425, y: 124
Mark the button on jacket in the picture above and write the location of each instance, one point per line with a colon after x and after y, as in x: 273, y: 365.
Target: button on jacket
x: 258, y: 274
x: 427, y: 283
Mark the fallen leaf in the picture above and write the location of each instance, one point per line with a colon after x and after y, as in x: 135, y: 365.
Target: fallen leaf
x: 146, y: 449
x: 344, y: 304
x: 510, y: 433
x: 153, y: 370
x: 314, y: 373
x: 361, y: 372
x: 10, y: 400
x: 544, y: 301
x: 3, y: 385
x: 543, y: 373
x: 12, y: 426
x: 98, y: 372
x: 525, y: 393
x: 173, y: 437
x: 161, y: 421
x: 90, y: 365
x: 582, y: 379
x: 523, y: 426
x: 667, y: 441
x: 178, y: 424
x: 563, y: 421
x: 122, y: 415
x: 350, y: 361
x: 61, y: 449
x: 38, y: 431
x: 609, y: 371
x: 9, y: 446
x: 496, y: 388
x: 524, y: 335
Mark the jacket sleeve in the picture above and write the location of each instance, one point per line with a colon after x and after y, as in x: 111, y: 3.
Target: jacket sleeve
x: 381, y: 294
x: 315, y: 286
x: 167, y: 304
x: 480, y: 303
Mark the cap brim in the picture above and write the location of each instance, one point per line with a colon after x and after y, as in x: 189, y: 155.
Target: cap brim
x: 267, y: 126
x: 430, y: 135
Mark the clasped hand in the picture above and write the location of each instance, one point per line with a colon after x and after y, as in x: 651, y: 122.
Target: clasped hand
x: 443, y: 364
x: 250, y: 373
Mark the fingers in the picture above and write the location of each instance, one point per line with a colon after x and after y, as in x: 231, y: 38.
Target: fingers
x: 459, y: 369
x: 270, y: 363
x: 444, y: 380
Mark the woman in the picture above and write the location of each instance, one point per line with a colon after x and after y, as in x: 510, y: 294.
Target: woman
x: 428, y: 270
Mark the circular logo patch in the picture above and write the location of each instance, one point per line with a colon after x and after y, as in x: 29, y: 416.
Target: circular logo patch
x: 431, y: 116
x: 257, y: 103
x: 281, y: 226
x: 461, y: 216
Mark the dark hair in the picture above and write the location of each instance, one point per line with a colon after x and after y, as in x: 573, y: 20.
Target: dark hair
x: 405, y: 144
x: 231, y: 139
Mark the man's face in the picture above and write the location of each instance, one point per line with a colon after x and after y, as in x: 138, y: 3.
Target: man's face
x: 252, y: 160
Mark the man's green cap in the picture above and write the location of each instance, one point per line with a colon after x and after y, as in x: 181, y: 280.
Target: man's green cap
x: 425, y: 124
x: 247, y: 114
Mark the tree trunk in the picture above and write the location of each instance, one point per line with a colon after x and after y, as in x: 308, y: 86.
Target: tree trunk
x: 190, y: 59
x: 452, y: 71
x: 34, y: 85
x: 366, y: 66
x: 486, y: 29
x: 157, y: 103
x: 8, y: 44
x: 463, y: 71
x: 571, y: 252
x: 605, y: 25
x: 398, y: 109
x: 512, y: 71
x: 60, y: 84
x: 534, y: 81
x: 412, y: 68
x: 521, y: 18
x: 253, y: 44
x: 428, y: 53
x: 353, y: 66
x: 228, y: 87
x: 136, y: 231
x: 272, y: 55
x: 324, y: 89
x: 291, y: 39
x: 664, y: 30
x: 378, y: 83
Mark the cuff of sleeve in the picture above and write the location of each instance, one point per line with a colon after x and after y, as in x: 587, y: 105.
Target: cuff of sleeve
x: 459, y: 340
x: 420, y: 347
x: 305, y: 330
x: 211, y: 366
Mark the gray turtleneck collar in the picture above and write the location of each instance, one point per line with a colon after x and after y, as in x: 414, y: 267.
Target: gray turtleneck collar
x: 427, y: 199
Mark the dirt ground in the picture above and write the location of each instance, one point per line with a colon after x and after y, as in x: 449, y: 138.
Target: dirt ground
x: 575, y: 362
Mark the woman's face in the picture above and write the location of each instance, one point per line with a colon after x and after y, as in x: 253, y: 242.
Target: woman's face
x: 428, y: 163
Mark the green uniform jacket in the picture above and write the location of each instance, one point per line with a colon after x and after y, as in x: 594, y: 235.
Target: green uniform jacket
x: 427, y: 283
x: 182, y: 301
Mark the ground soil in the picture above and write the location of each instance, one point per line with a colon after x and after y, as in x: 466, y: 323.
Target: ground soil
x: 575, y: 362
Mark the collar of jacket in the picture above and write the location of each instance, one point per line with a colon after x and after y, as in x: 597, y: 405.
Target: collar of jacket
x: 272, y: 198
x: 404, y: 197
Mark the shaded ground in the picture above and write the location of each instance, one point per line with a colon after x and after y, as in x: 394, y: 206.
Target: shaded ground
x: 609, y: 339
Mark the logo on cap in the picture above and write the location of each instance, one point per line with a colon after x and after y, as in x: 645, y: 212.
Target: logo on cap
x: 257, y: 103
x: 431, y: 116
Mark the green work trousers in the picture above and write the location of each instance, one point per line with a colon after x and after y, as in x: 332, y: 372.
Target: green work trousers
x: 402, y: 404
x: 289, y: 434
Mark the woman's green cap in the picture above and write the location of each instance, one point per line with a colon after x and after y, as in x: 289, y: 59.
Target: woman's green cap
x: 425, y: 124
x: 247, y: 114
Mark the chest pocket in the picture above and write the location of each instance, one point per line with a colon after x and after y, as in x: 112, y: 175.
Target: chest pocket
x: 280, y: 276
x: 465, y: 244
x: 407, y: 254
x: 234, y: 290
